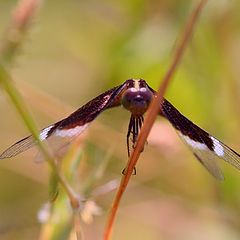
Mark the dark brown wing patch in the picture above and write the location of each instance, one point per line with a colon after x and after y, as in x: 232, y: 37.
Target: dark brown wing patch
x: 74, y: 124
x: 206, y: 148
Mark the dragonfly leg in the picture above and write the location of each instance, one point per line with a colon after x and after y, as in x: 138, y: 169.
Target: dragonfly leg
x: 130, y: 131
x: 134, y: 128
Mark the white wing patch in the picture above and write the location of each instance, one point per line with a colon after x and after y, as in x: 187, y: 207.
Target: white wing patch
x: 217, y: 147
x: 28, y: 142
x: 44, y: 133
x: 71, y: 131
x: 192, y: 143
x: 208, y: 157
x: 205, y: 156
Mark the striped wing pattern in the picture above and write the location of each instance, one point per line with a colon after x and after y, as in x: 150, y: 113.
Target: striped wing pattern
x: 206, y: 148
x: 74, y: 124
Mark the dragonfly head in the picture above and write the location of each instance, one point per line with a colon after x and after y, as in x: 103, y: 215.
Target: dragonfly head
x: 137, y: 98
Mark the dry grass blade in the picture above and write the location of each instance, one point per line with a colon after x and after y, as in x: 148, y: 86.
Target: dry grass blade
x: 152, y: 114
x: 14, y: 36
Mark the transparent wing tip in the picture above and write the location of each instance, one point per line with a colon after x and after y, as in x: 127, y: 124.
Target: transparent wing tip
x: 18, y: 147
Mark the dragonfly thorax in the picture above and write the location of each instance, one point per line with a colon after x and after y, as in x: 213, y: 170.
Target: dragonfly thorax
x: 137, y: 100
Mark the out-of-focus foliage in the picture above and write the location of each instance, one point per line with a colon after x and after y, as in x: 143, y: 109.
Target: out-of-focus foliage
x: 77, y: 49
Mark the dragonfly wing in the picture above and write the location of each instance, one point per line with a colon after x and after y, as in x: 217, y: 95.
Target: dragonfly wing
x: 206, y: 148
x: 205, y: 156
x: 74, y: 124
x: 18, y: 147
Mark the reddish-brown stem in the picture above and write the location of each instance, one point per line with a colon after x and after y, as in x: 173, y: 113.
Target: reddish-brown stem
x: 152, y: 114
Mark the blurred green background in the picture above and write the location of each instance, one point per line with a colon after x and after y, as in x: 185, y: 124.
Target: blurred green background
x: 77, y: 49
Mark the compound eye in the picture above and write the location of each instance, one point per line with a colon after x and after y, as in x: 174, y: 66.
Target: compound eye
x: 146, y: 95
x: 137, y: 100
x: 128, y: 97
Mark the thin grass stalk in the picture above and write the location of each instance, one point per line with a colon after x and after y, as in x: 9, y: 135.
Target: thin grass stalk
x: 22, y: 16
x: 6, y: 82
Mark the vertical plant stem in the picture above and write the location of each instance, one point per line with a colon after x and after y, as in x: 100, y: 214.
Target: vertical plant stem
x: 6, y: 82
x: 152, y: 114
x: 11, y: 43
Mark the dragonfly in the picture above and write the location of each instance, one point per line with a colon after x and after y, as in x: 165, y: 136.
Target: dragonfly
x: 135, y: 95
